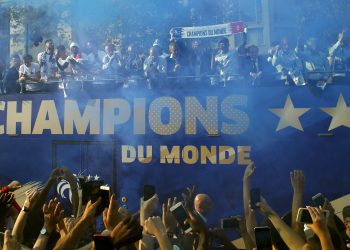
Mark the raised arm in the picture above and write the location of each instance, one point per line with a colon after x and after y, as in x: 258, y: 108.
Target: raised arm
x: 72, y: 239
x: 297, y: 179
x: 248, y: 212
x: 127, y: 231
x: 288, y: 235
x: 52, y: 215
x: 147, y: 208
x: 43, y: 194
x: 154, y: 226
x: 23, y: 215
x: 248, y: 242
x: 6, y: 199
x: 319, y: 226
x: 68, y: 176
x: 335, y: 46
x: 10, y: 242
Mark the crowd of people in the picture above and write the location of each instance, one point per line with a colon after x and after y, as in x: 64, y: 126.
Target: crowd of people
x: 43, y: 222
x: 183, y: 62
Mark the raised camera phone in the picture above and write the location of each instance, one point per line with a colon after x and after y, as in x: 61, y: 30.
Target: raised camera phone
x: 105, y: 192
x: 180, y: 214
x: 229, y: 223
x: 304, y: 216
x: 263, y: 238
x: 148, y: 192
x: 103, y: 242
x: 254, y: 197
x: 318, y: 199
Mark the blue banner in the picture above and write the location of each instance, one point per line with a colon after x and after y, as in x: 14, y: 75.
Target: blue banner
x: 183, y: 138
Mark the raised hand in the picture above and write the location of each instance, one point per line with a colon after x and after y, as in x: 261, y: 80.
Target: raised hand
x: 148, y: 207
x: 14, y: 185
x: 66, y: 174
x: 249, y: 170
x: 341, y: 36
x: 6, y: 200
x: 111, y: 215
x: 196, y: 222
x: 168, y: 218
x: 264, y: 207
x: 32, y: 196
x: 155, y: 226
x: 10, y: 242
x: 55, y: 174
x: 297, y: 179
x: 188, y: 197
x: 328, y: 206
x: 65, y: 225
x: 126, y: 232
x: 319, y: 222
x: 90, y: 211
x: 52, y: 214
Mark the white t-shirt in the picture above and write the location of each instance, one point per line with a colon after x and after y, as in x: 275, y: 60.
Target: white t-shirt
x: 30, y: 71
x: 48, y: 65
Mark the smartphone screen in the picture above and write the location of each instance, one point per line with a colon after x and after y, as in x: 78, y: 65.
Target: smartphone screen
x: 305, y: 217
x: 263, y: 238
x: 254, y: 197
x: 318, y: 200
x: 103, y: 242
x: 229, y: 223
x: 180, y: 214
x: 148, y: 192
x: 105, y: 193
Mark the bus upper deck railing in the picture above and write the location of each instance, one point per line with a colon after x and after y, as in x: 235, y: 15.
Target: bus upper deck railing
x: 114, y: 82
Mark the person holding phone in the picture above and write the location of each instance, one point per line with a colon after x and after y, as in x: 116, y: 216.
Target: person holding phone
x: 319, y: 226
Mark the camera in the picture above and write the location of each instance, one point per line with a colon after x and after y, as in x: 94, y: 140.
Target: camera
x: 230, y: 223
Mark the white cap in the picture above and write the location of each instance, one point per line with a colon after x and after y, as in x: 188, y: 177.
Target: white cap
x: 156, y: 43
x: 73, y: 44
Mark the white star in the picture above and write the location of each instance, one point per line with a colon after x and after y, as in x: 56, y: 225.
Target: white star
x: 340, y: 114
x: 289, y: 116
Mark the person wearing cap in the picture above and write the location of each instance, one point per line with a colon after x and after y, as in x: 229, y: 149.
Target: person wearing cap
x: 346, y: 219
x: 76, y: 59
x: 10, y: 81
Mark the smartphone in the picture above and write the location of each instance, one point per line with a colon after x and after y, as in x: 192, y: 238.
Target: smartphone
x: 180, y: 214
x: 105, y: 192
x: 148, y: 192
x: 318, y: 199
x: 263, y: 238
x: 103, y: 242
x: 304, y: 216
x: 254, y: 197
x: 229, y: 223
